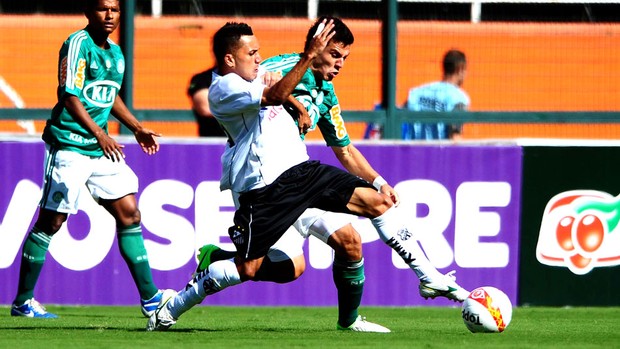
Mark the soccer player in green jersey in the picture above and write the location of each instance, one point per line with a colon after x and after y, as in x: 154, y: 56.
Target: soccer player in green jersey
x: 81, y: 155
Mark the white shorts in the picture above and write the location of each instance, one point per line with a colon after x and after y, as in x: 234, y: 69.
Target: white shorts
x: 318, y: 223
x: 67, y: 172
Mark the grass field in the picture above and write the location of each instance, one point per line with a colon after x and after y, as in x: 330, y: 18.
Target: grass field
x: 297, y: 327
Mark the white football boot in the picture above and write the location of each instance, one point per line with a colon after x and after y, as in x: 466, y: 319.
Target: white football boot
x: 443, y: 286
x: 361, y: 325
x: 161, y: 319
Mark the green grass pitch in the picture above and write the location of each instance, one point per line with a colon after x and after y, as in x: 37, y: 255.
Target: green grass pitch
x: 301, y: 327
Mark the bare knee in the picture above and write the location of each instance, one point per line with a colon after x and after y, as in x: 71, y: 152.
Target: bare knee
x: 347, y: 243
x: 50, y: 222
x: 247, y: 271
x: 124, y: 210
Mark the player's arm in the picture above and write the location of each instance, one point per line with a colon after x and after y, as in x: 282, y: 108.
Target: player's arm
x: 200, y: 103
x: 111, y: 149
x: 144, y: 136
x: 354, y: 162
x: 280, y: 91
x: 454, y: 131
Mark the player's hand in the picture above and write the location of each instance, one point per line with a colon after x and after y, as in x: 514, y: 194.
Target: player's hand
x: 111, y: 148
x: 320, y: 39
x: 304, y: 122
x: 270, y: 78
x: 389, y: 191
x: 146, y: 139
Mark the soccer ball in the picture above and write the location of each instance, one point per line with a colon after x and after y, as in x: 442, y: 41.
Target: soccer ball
x: 486, y: 309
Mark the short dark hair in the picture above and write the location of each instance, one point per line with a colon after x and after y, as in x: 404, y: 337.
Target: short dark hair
x: 452, y: 61
x: 343, y: 33
x: 226, y: 39
x: 91, y: 4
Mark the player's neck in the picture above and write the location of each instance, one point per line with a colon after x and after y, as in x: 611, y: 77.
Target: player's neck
x: 100, y: 39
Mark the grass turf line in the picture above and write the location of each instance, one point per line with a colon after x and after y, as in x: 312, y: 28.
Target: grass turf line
x: 311, y: 327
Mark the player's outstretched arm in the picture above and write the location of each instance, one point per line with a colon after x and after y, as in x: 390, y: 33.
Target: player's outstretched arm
x: 355, y: 162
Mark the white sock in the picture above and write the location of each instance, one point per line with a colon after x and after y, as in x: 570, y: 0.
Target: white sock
x: 219, y: 275
x: 394, y: 234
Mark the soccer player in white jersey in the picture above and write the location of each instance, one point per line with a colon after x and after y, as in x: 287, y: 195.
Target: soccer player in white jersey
x: 267, y: 165
x: 81, y: 153
x: 440, y: 96
x: 316, y: 92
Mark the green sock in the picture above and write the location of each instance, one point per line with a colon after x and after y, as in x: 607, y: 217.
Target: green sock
x: 349, y: 280
x: 33, y: 257
x: 131, y: 245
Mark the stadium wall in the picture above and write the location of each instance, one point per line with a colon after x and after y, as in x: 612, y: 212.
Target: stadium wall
x: 537, y: 67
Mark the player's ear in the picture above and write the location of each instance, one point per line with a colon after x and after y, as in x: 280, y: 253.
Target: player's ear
x: 229, y: 60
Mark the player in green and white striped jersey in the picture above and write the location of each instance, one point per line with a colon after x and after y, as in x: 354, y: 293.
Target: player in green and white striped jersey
x: 81, y: 155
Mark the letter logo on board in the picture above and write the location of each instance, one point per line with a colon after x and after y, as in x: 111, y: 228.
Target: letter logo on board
x: 580, y: 231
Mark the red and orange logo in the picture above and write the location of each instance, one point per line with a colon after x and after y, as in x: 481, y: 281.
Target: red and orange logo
x: 481, y: 296
x: 579, y: 230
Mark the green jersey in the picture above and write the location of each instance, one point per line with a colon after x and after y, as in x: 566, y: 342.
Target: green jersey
x: 92, y: 74
x: 320, y: 100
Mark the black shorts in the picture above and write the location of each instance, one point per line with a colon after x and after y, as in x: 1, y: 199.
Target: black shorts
x: 264, y: 214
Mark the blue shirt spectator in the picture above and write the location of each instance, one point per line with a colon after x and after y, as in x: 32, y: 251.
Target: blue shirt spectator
x: 441, y: 96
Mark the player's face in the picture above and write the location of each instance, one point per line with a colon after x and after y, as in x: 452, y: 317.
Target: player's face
x: 246, y: 58
x: 328, y: 64
x: 105, y: 17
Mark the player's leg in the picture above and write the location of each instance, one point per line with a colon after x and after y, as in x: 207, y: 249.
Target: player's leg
x: 131, y: 246
x: 249, y: 217
x: 390, y: 226
x: 218, y: 276
x: 64, y: 175
x: 284, y: 262
x: 114, y: 186
x: 335, y: 230
x: 33, y: 255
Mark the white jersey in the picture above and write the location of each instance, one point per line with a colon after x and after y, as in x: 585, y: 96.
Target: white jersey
x: 263, y: 141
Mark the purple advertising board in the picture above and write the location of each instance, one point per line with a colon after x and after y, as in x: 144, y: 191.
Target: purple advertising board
x: 461, y: 201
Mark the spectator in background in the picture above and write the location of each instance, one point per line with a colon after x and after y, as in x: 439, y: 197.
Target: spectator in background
x: 198, y: 91
x: 441, y: 96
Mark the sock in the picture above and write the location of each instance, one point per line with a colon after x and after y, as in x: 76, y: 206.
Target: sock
x: 131, y: 245
x: 220, y: 275
x: 33, y: 256
x: 394, y: 234
x: 349, y: 280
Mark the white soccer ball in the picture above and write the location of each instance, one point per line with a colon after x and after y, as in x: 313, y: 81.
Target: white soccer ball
x: 486, y: 309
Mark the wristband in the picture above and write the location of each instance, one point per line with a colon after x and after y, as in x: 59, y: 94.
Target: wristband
x: 378, y: 182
